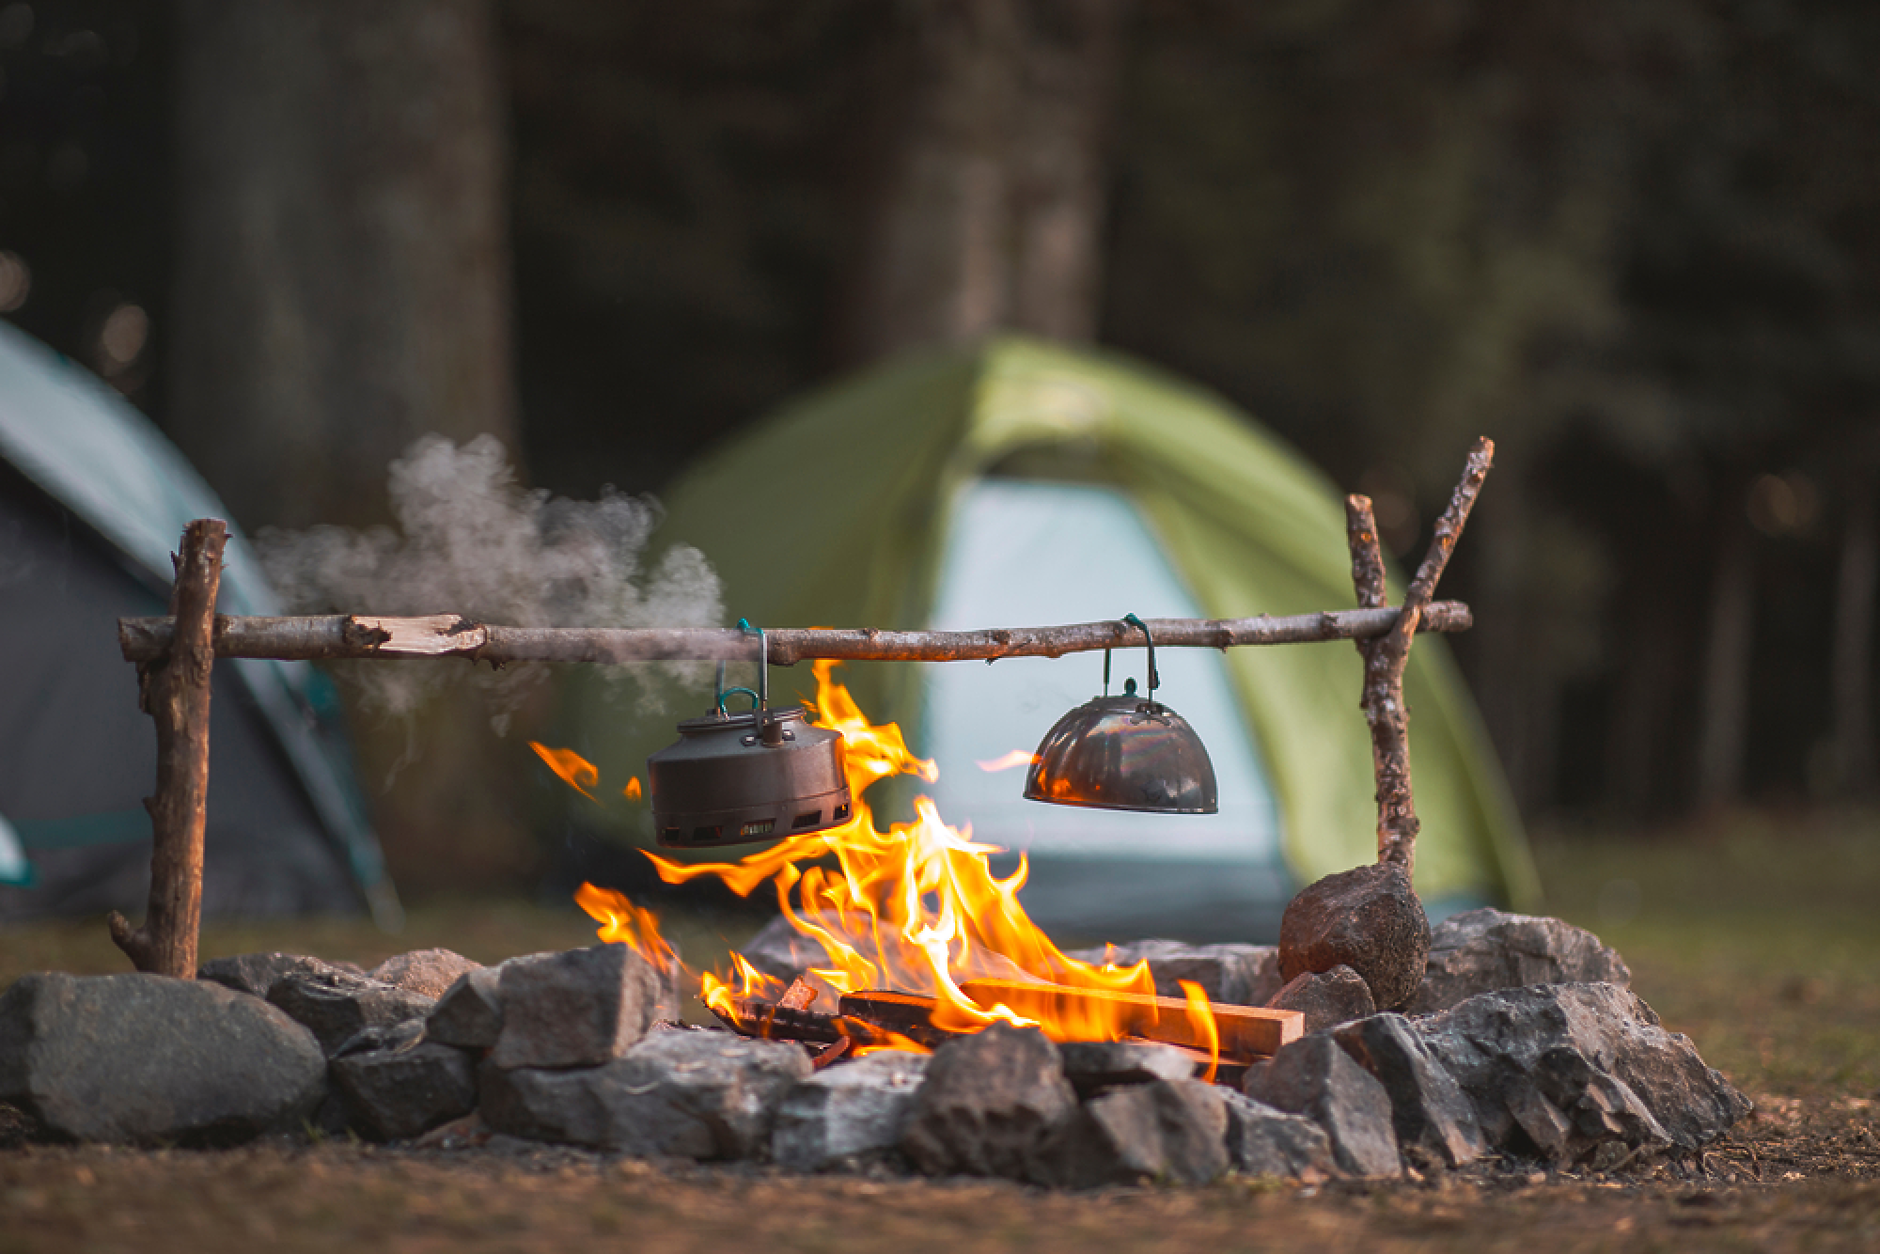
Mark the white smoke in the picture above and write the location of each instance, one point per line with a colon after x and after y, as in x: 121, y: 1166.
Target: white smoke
x: 470, y: 540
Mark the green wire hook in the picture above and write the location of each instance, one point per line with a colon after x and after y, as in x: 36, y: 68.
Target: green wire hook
x: 760, y: 700
x: 1155, y: 678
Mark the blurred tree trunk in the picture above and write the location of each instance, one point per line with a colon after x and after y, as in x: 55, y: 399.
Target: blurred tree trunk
x: 1730, y: 627
x: 343, y: 275
x: 989, y: 209
x: 343, y: 287
x: 1852, y: 665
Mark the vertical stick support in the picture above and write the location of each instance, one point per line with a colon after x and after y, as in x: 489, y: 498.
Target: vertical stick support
x: 174, y: 691
x: 1386, y: 656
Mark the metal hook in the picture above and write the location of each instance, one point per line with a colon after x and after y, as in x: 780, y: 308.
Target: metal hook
x: 1155, y: 679
x: 763, y: 661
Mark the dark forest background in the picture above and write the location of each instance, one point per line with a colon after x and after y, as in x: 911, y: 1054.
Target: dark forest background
x: 1635, y: 241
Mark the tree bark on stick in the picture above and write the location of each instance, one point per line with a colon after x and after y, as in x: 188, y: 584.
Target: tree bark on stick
x: 175, y: 692
x: 1386, y: 656
x: 336, y: 636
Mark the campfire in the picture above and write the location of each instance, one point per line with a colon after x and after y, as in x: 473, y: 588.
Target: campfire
x: 921, y: 1019
x: 921, y: 940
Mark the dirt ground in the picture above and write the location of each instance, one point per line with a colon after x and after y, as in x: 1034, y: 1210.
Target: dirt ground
x: 1760, y: 938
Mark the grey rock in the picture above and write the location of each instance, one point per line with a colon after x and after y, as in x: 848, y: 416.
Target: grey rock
x: 578, y: 1008
x: 256, y: 974
x: 1234, y: 975
x: 1480, y: 951
x: 677, y: 1093
x: 1315, y: 1078
x: 429, y: 972
x: 470, y: 1013
x: 1434, y: 1120
x: 1265, y: 1141
x: 337, y: 1005
x: 1092, y: 1066
x: 1369, y: 919
x: 1172, y: 1130
x: 401, y: 1035
x: 1336, y: 996
x: 989, y: 1101
x: 142, y: 1058
x: 1564, y: 1069
x: 396, y: 1094
x: 851, y: 1112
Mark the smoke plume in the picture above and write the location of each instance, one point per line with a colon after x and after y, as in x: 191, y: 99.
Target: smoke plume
x: 470, y: 540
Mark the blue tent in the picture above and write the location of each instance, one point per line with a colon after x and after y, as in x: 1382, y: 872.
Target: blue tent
x: 93, y: 500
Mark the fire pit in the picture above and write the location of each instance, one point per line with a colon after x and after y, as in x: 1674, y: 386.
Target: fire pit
x: 904, y: 1009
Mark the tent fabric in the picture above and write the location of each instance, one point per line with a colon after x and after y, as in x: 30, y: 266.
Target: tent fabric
x: 92, y: 501
x: 837, y: 511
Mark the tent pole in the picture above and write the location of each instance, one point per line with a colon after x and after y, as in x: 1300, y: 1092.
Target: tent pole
x: 174, y: 691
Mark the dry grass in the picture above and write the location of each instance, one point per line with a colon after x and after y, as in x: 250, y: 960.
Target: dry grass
x: 1759, y: 937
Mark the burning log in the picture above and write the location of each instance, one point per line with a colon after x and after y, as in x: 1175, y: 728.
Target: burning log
x: 900, y: 1014
x: 753, y: 1016
x: 343, y: 636
x: 1246, y: 1032
x: 1369, y: 918
x: 173, y: 688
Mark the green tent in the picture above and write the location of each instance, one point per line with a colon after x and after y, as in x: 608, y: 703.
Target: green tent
x: 1017, y: 484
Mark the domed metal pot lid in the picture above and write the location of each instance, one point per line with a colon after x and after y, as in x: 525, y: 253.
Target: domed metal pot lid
x: 1124, y: 753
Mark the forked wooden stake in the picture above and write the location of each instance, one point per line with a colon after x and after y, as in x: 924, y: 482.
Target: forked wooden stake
x: 175, y: 692
x: 1386, y: 656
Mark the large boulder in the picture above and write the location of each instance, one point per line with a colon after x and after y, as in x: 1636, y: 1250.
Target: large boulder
x: 1479, y: 951
x: 988, y: 1103
x: 848, y: 1114
x: 1172, y: 1130
x: 141, y: 1059
x: 576, y: 1009
x: 1369, y: 919
x: 1314, y: 1077
x: 1231, y: 974
x: 684, y: 1093
x: 1558, y: 1070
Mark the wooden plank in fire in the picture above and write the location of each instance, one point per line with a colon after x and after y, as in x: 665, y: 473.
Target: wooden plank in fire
x: 1245, y: 1031
x: 753, y: 1016
x: 907, y: 1014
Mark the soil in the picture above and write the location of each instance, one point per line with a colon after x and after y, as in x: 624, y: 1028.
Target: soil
x: 1797, y: 1175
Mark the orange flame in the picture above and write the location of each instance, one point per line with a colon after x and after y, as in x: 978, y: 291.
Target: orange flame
x: 575, y: 770
x: 1201, y: 1017
x: 1008, y: 761
x: 915, y: 907
x: 628, y: 924
x: 632, y: 791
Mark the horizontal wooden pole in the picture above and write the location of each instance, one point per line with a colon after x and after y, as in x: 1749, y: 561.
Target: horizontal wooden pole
x: 1246, y: 1031
x: 336, y: 636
